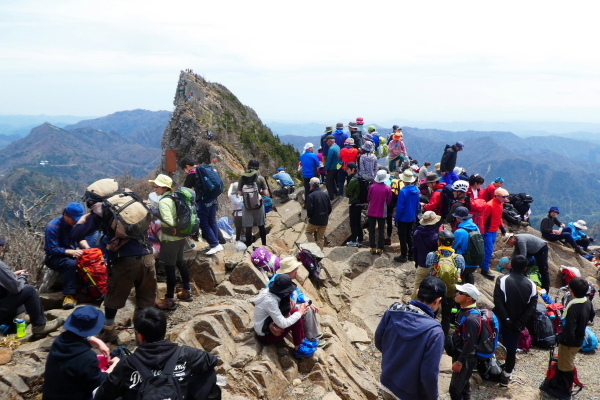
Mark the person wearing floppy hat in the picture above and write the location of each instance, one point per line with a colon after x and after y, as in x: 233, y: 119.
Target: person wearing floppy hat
x: 367, y: 163
x: 318, y: 209
x: 355, y: 134
x: 397, y: 150
x: 61, y: 252
x: 563, y: 233
x: 378, y: 198
x: 465, y: 225
x: 436, y: 199
x: 578, y: 234
x: 407, y: 207
x: 448, y: 162
x: 271, y: 324
x: 72, y: 370
x: 171, y: 252
x: 289, y: 266
x: 425, y: 241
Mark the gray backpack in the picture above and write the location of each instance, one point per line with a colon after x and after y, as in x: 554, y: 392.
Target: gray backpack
x: 252, y: 198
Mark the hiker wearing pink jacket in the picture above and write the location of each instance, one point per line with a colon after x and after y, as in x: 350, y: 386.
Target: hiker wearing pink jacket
x: 379, y: 197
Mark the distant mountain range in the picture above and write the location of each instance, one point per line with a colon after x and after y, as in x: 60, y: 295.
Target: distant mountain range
x: 141, y: 126
x: 551, y: 168
x: 81, y: 155
x: 13, y: 127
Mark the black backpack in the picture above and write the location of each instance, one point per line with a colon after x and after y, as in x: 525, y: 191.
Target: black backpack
x: 510, y: 214
x: 543, y: 329
x: 363, y: 185
x: 158, y: 387
x: 447, y: 200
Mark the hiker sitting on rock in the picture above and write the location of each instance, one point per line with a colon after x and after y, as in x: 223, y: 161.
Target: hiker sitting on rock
x: 16, y: 292
x: 287, y: 185
x: 61, y: 255
x: 289, y: 266
x: 411, y: 342
x: 578, y: 234
x: 276, y: 314
x: 72, y: 370
x: 562, y: 233
x: 194, y: 369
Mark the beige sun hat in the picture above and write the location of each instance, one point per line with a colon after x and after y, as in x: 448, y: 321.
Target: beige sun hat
x: 580, y: 225
x: 162, y: 181
x: 429, y: 218
x: 408, y: 176
x: 288, y: 264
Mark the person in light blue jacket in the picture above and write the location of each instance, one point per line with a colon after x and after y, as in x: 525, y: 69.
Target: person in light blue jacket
x: 578, y: 235
x: 461, y: 240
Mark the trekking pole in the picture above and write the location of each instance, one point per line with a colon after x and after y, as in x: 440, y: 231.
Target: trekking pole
x: 87, y: 272
x: 122, y: 328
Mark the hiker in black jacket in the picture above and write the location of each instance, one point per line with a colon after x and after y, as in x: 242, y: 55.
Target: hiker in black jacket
x: 575, y: 317
x: 562, y: 233
x: 515, y: 297
x: 318, y: 208
x: 154, y: 351
x: 448, y: 162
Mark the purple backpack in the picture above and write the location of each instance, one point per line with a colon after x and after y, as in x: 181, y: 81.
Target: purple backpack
x: 264, y: 260
x: 525, y: 341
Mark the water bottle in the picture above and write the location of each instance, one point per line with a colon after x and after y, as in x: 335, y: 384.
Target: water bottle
x: 21, y: 325
x: 221, y: 380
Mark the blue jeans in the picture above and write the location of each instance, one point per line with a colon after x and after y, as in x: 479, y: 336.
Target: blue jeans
x: 67, y: 266
x: 208, y: 221
x: 489, y: 240
x: 450, y: 178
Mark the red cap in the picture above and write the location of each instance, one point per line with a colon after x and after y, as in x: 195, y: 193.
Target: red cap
x: 360, y: 121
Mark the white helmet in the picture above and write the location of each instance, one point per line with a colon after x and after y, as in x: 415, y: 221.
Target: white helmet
x: 460, y: 186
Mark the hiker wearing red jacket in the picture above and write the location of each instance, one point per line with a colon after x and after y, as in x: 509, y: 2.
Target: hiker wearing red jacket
x: 494, y: 222
x: 436, y: 201
x: 489, y: 192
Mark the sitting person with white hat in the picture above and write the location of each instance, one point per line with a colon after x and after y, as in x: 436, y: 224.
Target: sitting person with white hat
x: 578, y: 235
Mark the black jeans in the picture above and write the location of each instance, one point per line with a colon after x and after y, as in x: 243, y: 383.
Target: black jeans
x: 356, y: 224
x: 460, y: 385
x: 448, y: 304
x: 28, y: 297
x: 172, y: 279
x: 405, y: 234
x: 67, y: 266
x: 380, y: 228
x: 331, y: 183
x: 263, y: 235
x: 468, y: 275
x: 541, y: 260
x: 510, y: 340
x: 237, y: 221
x: 306, y: 188
x: 583, y: 242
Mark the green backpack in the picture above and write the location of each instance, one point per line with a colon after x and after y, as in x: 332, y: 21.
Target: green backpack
x: 188, y: 223
x: 475, y: 249
x: 447, y: 271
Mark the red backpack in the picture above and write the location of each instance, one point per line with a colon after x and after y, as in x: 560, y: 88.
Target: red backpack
x: 93, y: 272
x: 480, y: 211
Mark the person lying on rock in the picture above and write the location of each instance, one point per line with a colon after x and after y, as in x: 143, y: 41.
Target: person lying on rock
x: 16, y: 292
x: 194, y: 369
x: 276, y: 314
x: 72, y: 369
x: 289, y: 266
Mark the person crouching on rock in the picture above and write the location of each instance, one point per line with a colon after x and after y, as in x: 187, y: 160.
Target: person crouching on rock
x: 275, y: 315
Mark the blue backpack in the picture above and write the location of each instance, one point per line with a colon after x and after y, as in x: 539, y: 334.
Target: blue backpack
x: 590, y: 342
x: 208, y: 182
x: 488, y: 333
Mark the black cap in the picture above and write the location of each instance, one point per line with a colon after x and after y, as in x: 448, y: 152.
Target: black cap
x: 351, y: 165
x: 282, y: 284
x: 462, y: 213
x: 433, y: 285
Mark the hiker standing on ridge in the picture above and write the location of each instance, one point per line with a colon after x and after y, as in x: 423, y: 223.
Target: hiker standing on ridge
x: 489, y: 192
x: 397, y: 149
x: 318, y: 209
x: 367, y: 164
x: 171, y: 251
x: 339, y: 135
x: 324, y: 144
x: 310, y: 166
x: 494, y: 223
x: 411, y: 342
x: 515, y: 299
x: 378, y: 197
x: 562, y: 233
x: 448, y: 162
x: 407, y: 208
x: 475, y: 183
x: 347, y: 155
x: 61, y: 255
x: 467, y: 335
x: 333, y: 158
x: 436, y: 201
x: 251, y: 186
x: 355, y: 134
x: 356, y: 201
x: 425, y: 241
x: 461, y: 240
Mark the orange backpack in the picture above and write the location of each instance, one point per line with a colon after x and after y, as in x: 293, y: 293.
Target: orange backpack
x: 94, y: 274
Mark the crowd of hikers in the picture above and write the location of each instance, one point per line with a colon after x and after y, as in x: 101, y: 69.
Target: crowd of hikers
x: 447, y: 224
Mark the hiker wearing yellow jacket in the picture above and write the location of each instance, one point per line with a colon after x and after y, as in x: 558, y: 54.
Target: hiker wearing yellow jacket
x: 171, y: 252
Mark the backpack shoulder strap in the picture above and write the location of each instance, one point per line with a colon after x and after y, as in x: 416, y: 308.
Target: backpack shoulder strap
x: 172, y: 362
x: 146, y: 373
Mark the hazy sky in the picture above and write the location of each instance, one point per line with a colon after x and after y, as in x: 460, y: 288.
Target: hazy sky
x: 309, y: 60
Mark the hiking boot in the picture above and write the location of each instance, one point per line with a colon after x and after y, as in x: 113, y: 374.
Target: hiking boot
x: 387, y: 242
x: 373, y: 251
x: 69, y: 302
x: 504, y: 378
x: 304, y: 351
x: 352, y: 244
x: 401, y: 259
x: 486, y: 273
x: 166, y: 304
x: 215, y: 250
x: 50, y: 326
x: 109, y: 334
x: 185, y: 295
x: 379, y: 251
x: 411, y: 258
x: 314, y: 343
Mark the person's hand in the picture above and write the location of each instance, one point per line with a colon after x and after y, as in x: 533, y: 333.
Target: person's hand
x: 102, y: 347
x: 21, y: 272
x: 314, y: 308
x: 456, y: 366
x: 556, y: 231
x: 275, y: 330
x: 75, y: 253
x: 303, y: 308
x: 506, y: 234
x: 112, y: 364
x: 96, y: 209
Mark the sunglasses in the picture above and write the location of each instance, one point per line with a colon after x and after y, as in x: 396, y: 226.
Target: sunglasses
x: 462, y: 293
x: 504, y: 197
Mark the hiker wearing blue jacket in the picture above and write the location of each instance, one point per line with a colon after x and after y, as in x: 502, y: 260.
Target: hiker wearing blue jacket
x: 411, y: 342
x: 407, y: 208
x: 339, y: 135
x: 461, y: 240
x: 331, y: 167
x: 310, y: 166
